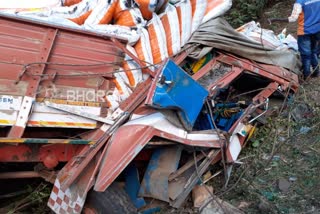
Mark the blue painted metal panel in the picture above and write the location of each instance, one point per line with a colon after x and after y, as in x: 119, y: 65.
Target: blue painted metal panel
x: 155, y: 182
x: 132, y: 186
x: 151, y: 210
x: 177, y: 90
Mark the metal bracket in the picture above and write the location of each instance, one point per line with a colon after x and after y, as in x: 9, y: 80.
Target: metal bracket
x: 18, y: 128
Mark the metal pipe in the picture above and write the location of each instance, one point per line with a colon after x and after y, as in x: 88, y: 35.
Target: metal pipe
x: 267, y: 108
x: 21, y: 174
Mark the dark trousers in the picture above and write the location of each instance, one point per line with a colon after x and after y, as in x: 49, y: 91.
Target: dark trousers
x: 309, y: 48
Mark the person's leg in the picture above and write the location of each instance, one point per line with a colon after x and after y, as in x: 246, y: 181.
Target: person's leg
x: 315, y: 49
x: 304, y: 44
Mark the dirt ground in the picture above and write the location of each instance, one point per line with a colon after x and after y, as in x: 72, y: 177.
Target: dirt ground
x: 279, y: 9
x: 280, y: 168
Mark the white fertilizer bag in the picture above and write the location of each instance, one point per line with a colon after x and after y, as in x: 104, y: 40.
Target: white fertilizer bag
x: 132, y: 69
x: 158, y: 39
x: 170, y: 22
x: 216, y: 8
x: 199, y: 8
x: 123, y: 32
x: 102, y: 13
x: 185, y: 20
x: 143, y: 48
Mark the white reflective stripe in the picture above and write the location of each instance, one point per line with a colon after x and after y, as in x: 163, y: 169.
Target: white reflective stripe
x: 207, y: 137
x: 41, y: 107
x: 136, y: 116
x: 80, y: 111
x: 235, y: 145
x: 158, y: 121
x: 24, y: 111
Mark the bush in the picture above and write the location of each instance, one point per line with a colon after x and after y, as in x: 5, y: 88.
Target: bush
x: 244, y: 11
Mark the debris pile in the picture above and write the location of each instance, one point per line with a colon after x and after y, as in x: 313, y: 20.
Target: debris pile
x: 253, y: 31
x: 155, y: 29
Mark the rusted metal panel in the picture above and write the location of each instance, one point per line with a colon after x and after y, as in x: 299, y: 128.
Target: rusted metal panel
x: 22, y: 48
x: 274, y: 73
x: 36, y: 59
x: 37, y: 153
x: 132, y: 137
x: 125, y: 145
x: 266, y: 93
x: 73, y: 168
x: 33, y: 84
x: 78, y: 60
x: 25, y: 174
x: 186, y: 166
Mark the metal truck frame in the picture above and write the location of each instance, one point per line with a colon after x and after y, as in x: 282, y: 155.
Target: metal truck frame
x: 41, y: 63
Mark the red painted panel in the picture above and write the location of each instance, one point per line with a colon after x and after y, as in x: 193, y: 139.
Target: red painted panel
x: 36, y: 153
x: 26, y: 44
x: 83, y: 54
x: 9, y: 72
x: 88, y: 43
x: 23, y: 42
x: 14, y: 28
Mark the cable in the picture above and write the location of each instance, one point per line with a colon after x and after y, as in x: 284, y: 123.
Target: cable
x: 249, y: 92
x: 220, y: 140
x: 205, y: 186
x: 25, y: 67
x: 95, y: 74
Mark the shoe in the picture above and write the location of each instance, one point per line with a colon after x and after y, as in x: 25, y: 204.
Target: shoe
x: 315, y: 75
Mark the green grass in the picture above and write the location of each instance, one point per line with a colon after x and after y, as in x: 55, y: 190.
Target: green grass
x: 282, y: 152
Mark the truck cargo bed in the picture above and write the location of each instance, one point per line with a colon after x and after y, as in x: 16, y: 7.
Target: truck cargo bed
x: 46, y: 61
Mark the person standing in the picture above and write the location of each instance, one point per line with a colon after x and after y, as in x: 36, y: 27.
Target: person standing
x: 307, y: 13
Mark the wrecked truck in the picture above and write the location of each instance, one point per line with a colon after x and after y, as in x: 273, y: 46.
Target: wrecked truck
x: 196, y: 109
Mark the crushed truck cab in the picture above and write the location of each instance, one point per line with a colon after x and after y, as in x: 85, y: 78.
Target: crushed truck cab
x: 64, y: 107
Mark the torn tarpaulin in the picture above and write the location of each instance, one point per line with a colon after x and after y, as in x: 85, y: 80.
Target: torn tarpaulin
x: 217, y: 33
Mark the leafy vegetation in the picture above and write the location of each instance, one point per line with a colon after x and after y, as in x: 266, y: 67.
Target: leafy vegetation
x: 244, y: 11
x: 280, y: 168
x: 33, y: 199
